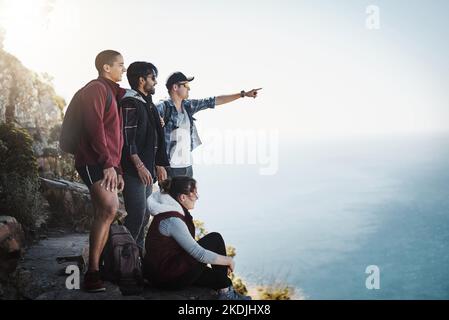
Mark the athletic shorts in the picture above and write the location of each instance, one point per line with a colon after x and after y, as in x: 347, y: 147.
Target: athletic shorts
x: 90, y: 174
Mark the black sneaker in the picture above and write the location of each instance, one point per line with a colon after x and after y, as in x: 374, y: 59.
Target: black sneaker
x: 93, y: 282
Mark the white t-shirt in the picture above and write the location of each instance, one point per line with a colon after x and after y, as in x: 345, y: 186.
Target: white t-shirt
x: 181, y: 155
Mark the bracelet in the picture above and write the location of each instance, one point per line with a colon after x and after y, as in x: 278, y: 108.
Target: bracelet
x: 242, y: 94
x: 140, y: 166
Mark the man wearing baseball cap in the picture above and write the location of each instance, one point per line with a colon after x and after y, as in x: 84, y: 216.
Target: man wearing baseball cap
x: 181, y: 135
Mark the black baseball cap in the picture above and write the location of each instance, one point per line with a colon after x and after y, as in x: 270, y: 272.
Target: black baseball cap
x: 176, y: 78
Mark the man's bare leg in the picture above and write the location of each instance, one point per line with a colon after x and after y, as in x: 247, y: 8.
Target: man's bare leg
x: 106, y: 205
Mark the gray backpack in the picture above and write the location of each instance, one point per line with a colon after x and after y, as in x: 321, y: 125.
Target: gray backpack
x: 120, y: 261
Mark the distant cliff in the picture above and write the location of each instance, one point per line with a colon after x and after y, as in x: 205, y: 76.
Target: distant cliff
x: 29, y: 100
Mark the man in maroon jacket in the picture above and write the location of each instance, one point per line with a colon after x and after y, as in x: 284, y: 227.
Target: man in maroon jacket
x: 98, y: 156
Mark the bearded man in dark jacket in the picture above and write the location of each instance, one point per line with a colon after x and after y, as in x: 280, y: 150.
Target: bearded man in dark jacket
x: 144, y: 154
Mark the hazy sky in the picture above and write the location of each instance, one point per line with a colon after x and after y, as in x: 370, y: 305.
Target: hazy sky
x: 323, y: 71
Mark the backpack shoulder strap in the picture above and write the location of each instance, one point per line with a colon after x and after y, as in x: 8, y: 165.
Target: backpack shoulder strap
x: 108, y: 96
x: 167, y: 113
x: 108, y: 101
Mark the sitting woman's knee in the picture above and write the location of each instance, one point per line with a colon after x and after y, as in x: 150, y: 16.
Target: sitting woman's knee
x: 216, y: 236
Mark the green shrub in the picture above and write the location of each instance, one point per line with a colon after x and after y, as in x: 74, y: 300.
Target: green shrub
x: 200, y: 229
x: 21, y: 199
x: 61, y: 164
x: 17, y: 155
x: 276, y: 292
x: 238, y: 284
x: 60, y: 102
x: 66, y: 167
x: 55, y: 132
x: 230, y: 251
x: 19, y: 180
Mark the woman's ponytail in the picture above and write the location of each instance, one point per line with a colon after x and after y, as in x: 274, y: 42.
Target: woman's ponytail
x: 165, y: 185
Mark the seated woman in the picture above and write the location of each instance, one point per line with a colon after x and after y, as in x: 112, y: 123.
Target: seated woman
x: 173, y: 258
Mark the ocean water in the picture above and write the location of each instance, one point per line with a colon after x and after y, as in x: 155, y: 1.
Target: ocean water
x: 333, y: 209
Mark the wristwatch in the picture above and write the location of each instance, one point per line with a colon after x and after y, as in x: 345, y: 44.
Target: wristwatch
x: 242, y: 93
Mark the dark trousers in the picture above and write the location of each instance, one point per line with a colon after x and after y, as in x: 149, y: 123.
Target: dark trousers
x: 201, y: 275
x: 135, y: 196
x: 217, y: 276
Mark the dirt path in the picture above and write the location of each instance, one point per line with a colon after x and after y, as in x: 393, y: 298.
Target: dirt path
x: 40, y: 277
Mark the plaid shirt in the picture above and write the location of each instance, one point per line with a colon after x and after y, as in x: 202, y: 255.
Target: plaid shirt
x: 191, y: 107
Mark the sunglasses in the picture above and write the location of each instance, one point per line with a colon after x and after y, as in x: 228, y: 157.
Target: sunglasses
x: 152, y: 77
x: 185, y: 84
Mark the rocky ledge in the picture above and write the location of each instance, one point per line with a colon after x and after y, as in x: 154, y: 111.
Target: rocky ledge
x: 40, y: 276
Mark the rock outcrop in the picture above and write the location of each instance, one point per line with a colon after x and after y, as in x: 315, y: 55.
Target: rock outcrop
x: 39, y: 276
x: 11, y: 245
x: 11, y: 250
x: 70, y: 204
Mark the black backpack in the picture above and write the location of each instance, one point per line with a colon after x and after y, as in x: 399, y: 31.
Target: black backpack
x: 120, y: 261
x: 72, y: 126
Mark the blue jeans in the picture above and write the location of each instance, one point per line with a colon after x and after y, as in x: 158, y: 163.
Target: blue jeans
x: 173, y: 172
x: 135, y: 195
